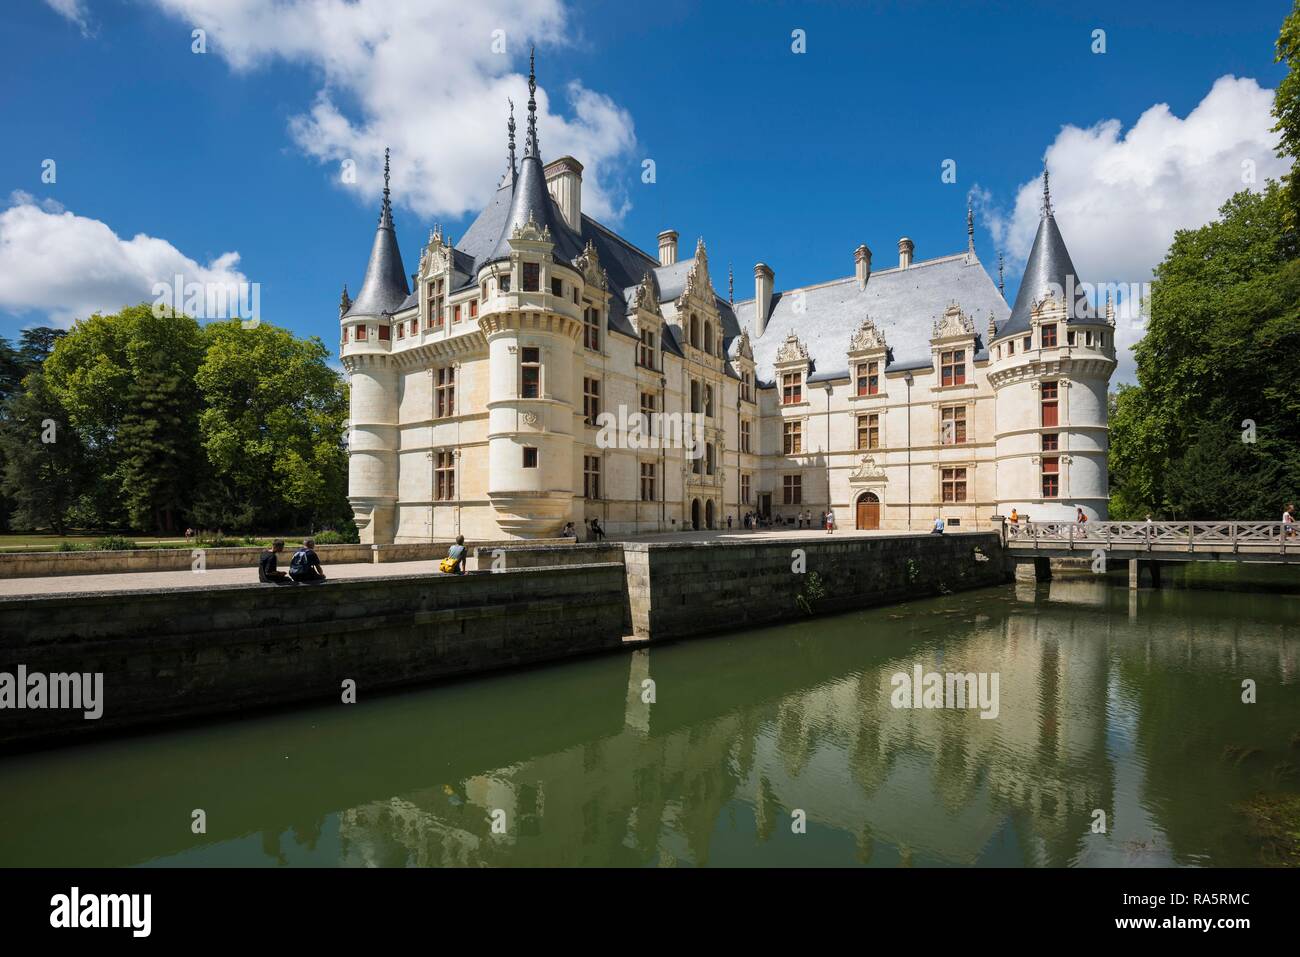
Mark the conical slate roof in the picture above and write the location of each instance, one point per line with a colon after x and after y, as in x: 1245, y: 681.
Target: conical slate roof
x: 384, y: 288
x: 532, y: 200
x: 1049, y: 267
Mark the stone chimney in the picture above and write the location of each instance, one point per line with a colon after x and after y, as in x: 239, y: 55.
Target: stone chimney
x: 763, y: 278
x: 564, y: 180
x: 905, y: 247
x: 668, y: 247
x: 862, y: 265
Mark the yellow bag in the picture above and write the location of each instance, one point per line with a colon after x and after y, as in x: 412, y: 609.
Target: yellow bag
x: 448, y: 564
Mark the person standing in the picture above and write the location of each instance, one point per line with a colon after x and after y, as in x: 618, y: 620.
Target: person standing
x: 830, y: 522
x: 1288, y: 520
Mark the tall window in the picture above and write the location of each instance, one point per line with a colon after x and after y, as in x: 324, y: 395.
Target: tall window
x: 530, y: 456
x: 793, y: 437
x: 744, y: 435
x: 696, y: 404
x: 708, y: 458
x: 792, y: 489
x: 746, y: 384
x: 1051, y: 476
x: 645, y: 356
x: 444, y: 476
x: 557, y: 287
x: 591, y: 328
x: 591, y: 476
x: 1048, y: 390
x: 532, y: 277
x: 1047, y: 333
x: 648, y: 412
x: 360, y: 333
x: 647, y: 481
x: 708, y: 401
x: 383, y: 333
x: 868, y: 431
x: 708, y: 337
x: 473, y: 308
x: 694, y: 331
x: 952, y: 425
x: 444, y: 392
x: 868, y: 378
x: 744, y: 488
x: 530, y: 386
x: 590, y: 400
x: 953, y: 485
x: 401, y: 330
x: 791, y: 388
x: 1028, y: 343
x: 455, y: 313
x: 952, y: 366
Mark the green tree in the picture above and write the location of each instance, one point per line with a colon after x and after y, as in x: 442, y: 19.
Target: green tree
x: 1286, y: 106
x: 127, y: 382
x: 44, y: 460
x: 1213, y: 428
x: 272, y: 426
x: 34, y: 346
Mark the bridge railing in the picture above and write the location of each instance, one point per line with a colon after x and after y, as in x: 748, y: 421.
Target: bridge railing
x: 1166, y: 536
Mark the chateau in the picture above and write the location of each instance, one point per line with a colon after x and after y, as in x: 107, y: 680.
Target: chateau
x: 481, y: 397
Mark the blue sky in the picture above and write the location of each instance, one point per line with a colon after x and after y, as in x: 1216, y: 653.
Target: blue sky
x: 792, y: 159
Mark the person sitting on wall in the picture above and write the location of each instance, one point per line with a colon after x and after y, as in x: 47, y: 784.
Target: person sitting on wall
x: 1015, y: 518
x: 454, y: 563
x: 266, y: 566
x: 938, y: 526
x: 569, y: 531
x: 304, y: 567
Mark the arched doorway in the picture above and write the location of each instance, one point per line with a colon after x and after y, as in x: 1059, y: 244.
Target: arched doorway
x: 868, y: 511
x: 708, y: 514
x: 695, y: 514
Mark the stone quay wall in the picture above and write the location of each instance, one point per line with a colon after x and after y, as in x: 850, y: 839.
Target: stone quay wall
x: 178, y: 653
x: 681, y: 590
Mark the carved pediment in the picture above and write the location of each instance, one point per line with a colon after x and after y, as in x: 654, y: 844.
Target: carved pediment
x: 868, y: 338
x: 867, y: 471
x: 792, y: 350
x: 588, y: 263
x: 697, y: 277
x: 744, y: 349
x: 953, y: 324
x: 644, y: 296
x: 530, y: 232
x: 436, y: 256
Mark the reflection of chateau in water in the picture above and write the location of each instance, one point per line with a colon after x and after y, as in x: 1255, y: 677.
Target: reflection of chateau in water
x: 938, y: 786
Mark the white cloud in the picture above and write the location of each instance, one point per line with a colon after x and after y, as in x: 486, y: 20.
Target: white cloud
x: 73, y: 11
x: 66, y: 266
x: 424, y: 79
x: 1119, y: 197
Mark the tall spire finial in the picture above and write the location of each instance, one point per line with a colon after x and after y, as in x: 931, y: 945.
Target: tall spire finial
x: 386, y: 212
x: 1001, y: 288
x: 1047, y: 192
x: 731, y: 285
x: 531, y: 148
x: 970, y: 226
x: 510, y: 126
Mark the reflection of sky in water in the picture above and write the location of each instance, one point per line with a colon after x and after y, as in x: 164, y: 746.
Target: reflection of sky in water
x: 1111, y: 700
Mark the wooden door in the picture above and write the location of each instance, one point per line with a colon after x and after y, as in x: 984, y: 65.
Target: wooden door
x: 868, y: 512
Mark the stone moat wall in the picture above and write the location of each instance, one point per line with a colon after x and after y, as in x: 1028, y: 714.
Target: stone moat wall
x: 169, y: 654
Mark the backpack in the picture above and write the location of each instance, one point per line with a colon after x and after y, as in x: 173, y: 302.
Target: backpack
x: 448, y: 564
x: 299, y: 563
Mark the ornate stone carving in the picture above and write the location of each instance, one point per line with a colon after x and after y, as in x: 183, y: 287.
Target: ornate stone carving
x: 529, y: 232
x: 792, y: 350
x: 867, y: 471
x: 588, y: 263
x: 743, y: 347
x: 868, y: 338
x: 530, y: 418
x: 644, y: 297
x: 953, y: 323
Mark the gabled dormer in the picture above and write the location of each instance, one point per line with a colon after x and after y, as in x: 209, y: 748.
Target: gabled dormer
x: 868, y: 356
x: 952, y: 348
x: 792, y: 367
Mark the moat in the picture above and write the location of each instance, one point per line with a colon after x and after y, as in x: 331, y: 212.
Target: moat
x: 1129, y: 702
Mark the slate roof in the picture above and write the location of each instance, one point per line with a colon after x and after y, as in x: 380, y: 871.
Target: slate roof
x: 384, y: 288
x: 903, y: 303
x: 1049, y: 265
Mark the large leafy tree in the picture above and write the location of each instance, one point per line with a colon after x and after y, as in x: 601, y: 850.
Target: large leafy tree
x: 1213, y: 428
x: 127, y: 382
x: 272, y: 426
x: 34, y: 345
x: 1286, y: 105
x: 44, y: 460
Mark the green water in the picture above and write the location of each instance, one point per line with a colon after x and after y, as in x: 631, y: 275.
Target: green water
x: 1128, y: 703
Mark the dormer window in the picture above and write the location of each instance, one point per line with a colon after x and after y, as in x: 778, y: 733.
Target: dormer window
x: 591, y: 328
x: 532, y: 276
x: 868, y: 378
x: 1047, y: 335
x: 645, y: 356
x: 791, y: 388
x: 694, y: 331
x: 708, y: 337
x: 952, y: 366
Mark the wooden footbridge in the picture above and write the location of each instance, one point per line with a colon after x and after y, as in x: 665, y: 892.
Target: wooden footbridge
x: 1146, y: 544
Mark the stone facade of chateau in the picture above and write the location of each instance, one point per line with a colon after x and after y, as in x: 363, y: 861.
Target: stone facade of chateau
x: 504, y: 395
